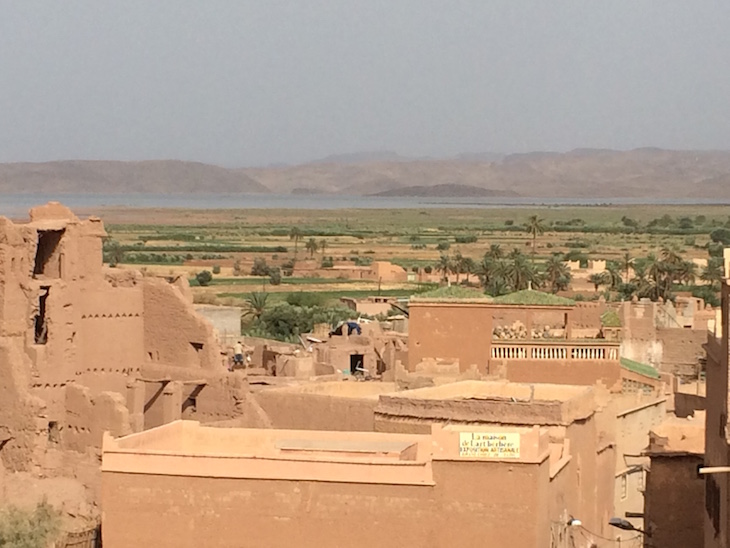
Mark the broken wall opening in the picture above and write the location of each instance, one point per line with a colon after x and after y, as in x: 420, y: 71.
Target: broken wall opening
x: 40, y: 322
x: 48, y: 257
x: 190, y: 403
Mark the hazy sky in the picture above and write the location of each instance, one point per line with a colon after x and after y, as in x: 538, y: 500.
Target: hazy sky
x: 251, y: 82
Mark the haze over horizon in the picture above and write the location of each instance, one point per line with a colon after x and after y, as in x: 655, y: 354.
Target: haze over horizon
x: 252, y: 83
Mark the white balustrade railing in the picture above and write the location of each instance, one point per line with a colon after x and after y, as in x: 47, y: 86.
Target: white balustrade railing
x: 525, y: 351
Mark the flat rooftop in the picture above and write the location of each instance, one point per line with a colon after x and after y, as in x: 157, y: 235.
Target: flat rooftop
x: 185, y: 448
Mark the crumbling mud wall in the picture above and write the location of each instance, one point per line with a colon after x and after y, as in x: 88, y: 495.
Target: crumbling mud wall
x: 173, y: 333
x: 18, y: 411
x: 74, y: 338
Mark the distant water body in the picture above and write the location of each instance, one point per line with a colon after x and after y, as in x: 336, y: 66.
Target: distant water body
x: 18, y: 204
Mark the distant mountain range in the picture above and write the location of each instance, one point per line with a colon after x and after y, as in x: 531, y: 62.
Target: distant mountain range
x: 581, y: 173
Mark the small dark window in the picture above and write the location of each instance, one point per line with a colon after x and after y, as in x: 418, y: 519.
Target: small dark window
x: 54, y: 434
x: 41, y: 325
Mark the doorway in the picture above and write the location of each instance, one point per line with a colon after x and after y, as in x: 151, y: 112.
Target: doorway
x: 357, y: 363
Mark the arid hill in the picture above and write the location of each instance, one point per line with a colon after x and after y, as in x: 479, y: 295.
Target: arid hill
x: 109, y: 177
x: 582, y: 173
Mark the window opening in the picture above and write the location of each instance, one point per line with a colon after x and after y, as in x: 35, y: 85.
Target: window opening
x: 54, y: 434
x: 48, y: 256
x: 41, y: 325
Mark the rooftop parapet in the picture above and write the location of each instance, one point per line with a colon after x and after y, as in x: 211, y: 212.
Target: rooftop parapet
x: 493, y: 402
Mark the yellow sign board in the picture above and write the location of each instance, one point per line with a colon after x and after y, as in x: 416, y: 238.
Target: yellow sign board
x: 489, y: 445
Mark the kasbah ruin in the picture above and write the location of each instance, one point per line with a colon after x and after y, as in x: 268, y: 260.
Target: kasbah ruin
x: 523, y: 421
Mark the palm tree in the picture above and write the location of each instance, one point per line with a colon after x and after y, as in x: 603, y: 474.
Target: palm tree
x: 322, y: 246
x: 613, y: 275
x: 495, y: 252
x: 557, y: 273
x: 670, y: 256
x: 626, y: 263
x: 443, y: 266
x: 534, y: 228
x: 497, y: 287
x: 659, y: 278
x: 490, y: 270
x: 311, y: 246
x: 457, y: 264
x: 521, y: 273
x: 599, y: 278
x: 296, y: 235
x: 468, y: 267
x: 685, y: 272
x: 255, y: 304
x: 713, y: 273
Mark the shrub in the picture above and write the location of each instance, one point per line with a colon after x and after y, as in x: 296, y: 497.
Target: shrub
x: 286, y: 321
x: 301, y: 298
x: 706, y: 292
x: 327, y: 262
x: 260, y: 268
x: 443, y: 246
x: 29, y: 529
x: 204, y: 278
x: 509, y: 222
x: 721, y: 235
x: 275, y: 276
x: 216, y: 269
x: 575, y: 255
x: 237, y: 268
x: 428, y: 269
x: 629, y: 222
x: 686, y: 223
x: 466, y: 239
x: 714, y: 249
x: 288, y: 268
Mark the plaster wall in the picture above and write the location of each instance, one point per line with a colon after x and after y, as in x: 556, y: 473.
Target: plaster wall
x: 580, y: 372
x: 294, y: 410
x: 450, y: 332
x: 675, y: 495
x: 636, y: 416
x: 717, y: 490
x: 468, y: 501
x: 681, y: 349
